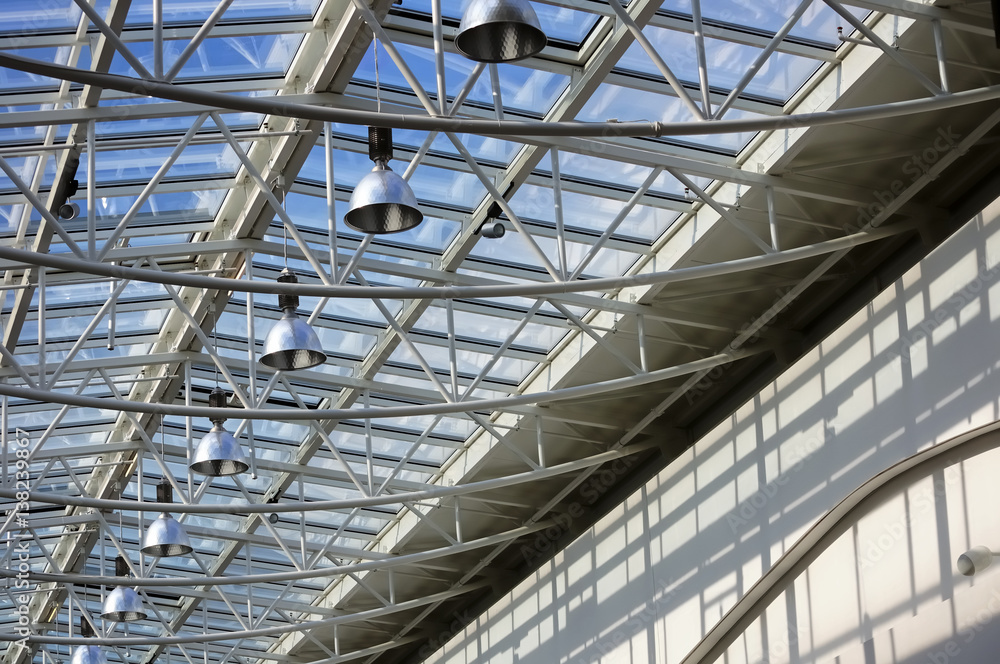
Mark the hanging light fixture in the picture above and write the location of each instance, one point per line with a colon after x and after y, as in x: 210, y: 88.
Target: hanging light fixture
x: 292, y: 343
x: 219, y: 453
x: 123, y: 604
x: 499, y: 31
x: 165, y: 536
x: 383, y: 201
x: 88, y: 654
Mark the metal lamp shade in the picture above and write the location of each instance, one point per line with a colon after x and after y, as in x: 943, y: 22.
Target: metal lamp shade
x: 383, y: 203
x: 292, y: 344
x: 123, y: 605
x: 166, y: 537
x: 88, y: 655
x: 499, y: 31
x: 219, y: 453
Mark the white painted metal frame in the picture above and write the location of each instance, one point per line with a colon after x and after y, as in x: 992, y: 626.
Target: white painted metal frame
x: 390, y: 488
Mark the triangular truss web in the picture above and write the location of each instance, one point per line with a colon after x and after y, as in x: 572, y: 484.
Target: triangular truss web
x: 619, y: 232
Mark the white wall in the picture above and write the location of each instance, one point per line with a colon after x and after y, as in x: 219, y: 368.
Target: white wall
x: 919, y: 365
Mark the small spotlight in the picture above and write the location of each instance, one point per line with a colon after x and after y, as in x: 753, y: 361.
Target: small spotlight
x: 975, y: 560
x: 272, y: 517
x: 492, y: 230
x: 69, y: 211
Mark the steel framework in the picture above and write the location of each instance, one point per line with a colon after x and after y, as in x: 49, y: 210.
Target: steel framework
x: 688, y: 197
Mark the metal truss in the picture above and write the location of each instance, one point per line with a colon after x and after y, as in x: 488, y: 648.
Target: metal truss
x: 473, y: 397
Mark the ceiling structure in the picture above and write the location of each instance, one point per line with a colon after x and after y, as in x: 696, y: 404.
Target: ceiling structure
x: 692, y: 193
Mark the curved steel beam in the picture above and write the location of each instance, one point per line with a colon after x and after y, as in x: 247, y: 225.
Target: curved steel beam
x: 836, y: 522
x: 273, y: 577
x: 310, y: 414
x: 251, y: 633
x: 103, y: 504
x: 273, y: 106
x: 70, y: 264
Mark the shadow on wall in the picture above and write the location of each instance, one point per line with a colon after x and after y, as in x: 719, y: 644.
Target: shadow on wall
x: 971, y: 621
x: 915, y: 367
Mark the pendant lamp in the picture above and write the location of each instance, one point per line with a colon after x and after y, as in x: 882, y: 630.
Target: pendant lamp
x: 499, y: 31
x: 88, y: 654
x: 291, y: 344
x: 218, y: 453
x: 165, y: 536
x: 382, y: 202
x: 123, y: 604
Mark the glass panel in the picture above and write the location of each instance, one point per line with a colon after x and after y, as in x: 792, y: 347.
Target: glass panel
x: 141, y: 11
x: 818, y: 24
x: 523, y: 89
x: 558, y: 23
x: 613, y: 101
x: 781, y: 75
x: 43, y: 17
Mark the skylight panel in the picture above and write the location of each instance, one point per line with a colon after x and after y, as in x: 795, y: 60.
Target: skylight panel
x: 346, y: 343
x: 382, y: 447
x: 312, y: 212
x: 486, y: 148
x: 247, y: 56
x: 818, y: 24
x: 523, y: 89
x: 22, y: 134
x: 258, y: 55
x: 531, y: 90
x: 172, y: 208
x: 450, y: 188
x: 781, y: 75
x: 468, y: 361
x: 62, y: 301
x: 624, y: 104
x: 558, y: 23
x: 172, y: 128
x: 197, y: 11
x: 142, y: 164
x: 24, y: 168
x: 12, y: 80
x: 20, y: 18
x: 587, y: 213
x: 158, y: 240
x: 492, y: 330
x: 129, y: 324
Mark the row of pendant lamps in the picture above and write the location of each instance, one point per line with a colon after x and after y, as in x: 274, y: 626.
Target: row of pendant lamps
x: 382, y: 202
x: 165, y: 537
x: 290, y: 345
x: 491, y: 31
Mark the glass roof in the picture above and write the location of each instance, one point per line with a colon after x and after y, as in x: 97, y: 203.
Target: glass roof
x: 178, y: 204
